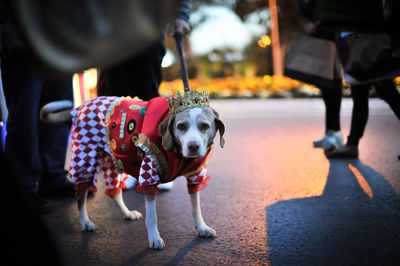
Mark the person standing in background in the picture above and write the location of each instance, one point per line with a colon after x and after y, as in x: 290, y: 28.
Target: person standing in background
x: 331, y: 95
x: 34, y: 149
x: 377, y: 74
x: 141, y: 75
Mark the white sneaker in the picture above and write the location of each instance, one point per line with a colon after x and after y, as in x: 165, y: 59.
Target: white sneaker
x: 319, y: 143
x: 130, y: 182
x: 339, y: 138
x: 166, y: 186
x: 333, y: 140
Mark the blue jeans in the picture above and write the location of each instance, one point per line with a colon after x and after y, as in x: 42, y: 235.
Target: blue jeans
x: 35, y: 150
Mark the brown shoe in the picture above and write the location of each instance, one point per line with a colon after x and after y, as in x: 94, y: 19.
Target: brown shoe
x: 346, y: 151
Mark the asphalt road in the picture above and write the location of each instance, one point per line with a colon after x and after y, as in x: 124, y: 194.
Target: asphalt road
x: 272, y: 198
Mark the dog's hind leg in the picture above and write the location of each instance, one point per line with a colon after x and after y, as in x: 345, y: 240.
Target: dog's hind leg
x: 202, y: 228
x: 128, y: 215
x: 87, y: 225
x: 113, y: 181
x: 155, y: 241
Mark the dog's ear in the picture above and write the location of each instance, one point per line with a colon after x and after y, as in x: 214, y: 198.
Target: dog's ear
x: 166, y: 132
x: 220, y: 126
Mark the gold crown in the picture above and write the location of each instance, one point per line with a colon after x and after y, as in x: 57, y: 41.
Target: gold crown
x: 190, y: 100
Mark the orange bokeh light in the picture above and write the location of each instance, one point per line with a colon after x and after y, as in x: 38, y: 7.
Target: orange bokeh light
x: 264, y: 41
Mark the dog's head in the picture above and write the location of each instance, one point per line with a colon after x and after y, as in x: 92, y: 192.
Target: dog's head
x: 192, y: 131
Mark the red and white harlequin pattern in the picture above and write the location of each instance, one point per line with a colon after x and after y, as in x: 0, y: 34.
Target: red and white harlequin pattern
x: 197, y: 179
x: 114, y: 180
x: 148, y: 176
x: 90, y: 151
x: 90, y: 154
x: 149, y: 179
x: 197, y: 182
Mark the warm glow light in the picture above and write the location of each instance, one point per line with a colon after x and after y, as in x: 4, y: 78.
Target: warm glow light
x: 264, y: 41
x: 261, y: 44
x: 361, y: 180
x: 77, y: 93
x: 88, y: 81
x: 90, y: 78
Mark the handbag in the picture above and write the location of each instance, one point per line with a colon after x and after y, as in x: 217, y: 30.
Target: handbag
x: 368, y: 56
x: 312, y: 60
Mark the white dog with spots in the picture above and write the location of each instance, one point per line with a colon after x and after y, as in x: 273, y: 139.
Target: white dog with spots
x: 185, y: 142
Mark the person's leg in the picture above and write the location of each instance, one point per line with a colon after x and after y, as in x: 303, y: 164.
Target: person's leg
x: 332, y: 98
x: 358, y: 123
x: 319, y: 143
x: 388, y: 92
x: 22, y: 90
x: 139, y: 75
x: 53, y: 141
x: 360, y: 113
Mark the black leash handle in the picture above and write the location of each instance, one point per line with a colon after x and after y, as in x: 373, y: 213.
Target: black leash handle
x: 179, y: 47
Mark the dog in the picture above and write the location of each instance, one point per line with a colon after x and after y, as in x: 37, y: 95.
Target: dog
x: 155, y: 141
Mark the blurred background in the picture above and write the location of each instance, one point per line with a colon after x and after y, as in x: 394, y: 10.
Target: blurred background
x: 230, y: 52
x: 274, y: 199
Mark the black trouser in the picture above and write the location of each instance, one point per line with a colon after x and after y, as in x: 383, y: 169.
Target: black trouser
x: 386, y: 90
x: 139, y: 75
x: 35, y: 149
x: 332, y: 98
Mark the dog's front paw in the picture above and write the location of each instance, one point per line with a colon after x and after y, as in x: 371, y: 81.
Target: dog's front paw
x: 133, y: 215
x: 156, y: 243
x: 206, y: 231
x: 88, y: 226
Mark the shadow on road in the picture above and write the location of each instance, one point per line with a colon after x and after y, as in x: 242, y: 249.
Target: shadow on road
x: 136, y: 259
x: 356, y: 221
x: 184, y: 250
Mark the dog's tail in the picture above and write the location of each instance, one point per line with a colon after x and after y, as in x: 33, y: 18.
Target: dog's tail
x: 56, y: 112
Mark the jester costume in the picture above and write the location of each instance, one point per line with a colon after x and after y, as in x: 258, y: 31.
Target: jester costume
x: 120, y: 136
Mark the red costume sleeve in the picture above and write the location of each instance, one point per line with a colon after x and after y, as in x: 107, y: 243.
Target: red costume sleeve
x: 197, y: 182
x: 148, y: 177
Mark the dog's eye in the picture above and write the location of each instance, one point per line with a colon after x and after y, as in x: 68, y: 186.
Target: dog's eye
x: 181, y: 126
x: 204, y: 126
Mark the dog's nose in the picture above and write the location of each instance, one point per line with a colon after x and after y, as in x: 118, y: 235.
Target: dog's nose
x: 193, y: 147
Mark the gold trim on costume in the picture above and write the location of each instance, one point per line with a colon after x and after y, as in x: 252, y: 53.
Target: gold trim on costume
x: 158, y: 157
x: 110, y: 112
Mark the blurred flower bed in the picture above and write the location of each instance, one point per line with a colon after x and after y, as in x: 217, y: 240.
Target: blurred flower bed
x: 246, y: 87
x: 230, y: 87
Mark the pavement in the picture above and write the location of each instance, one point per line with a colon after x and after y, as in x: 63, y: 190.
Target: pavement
x: 273, y: 199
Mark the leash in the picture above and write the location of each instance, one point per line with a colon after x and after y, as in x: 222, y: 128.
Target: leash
x: 179, y: 47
